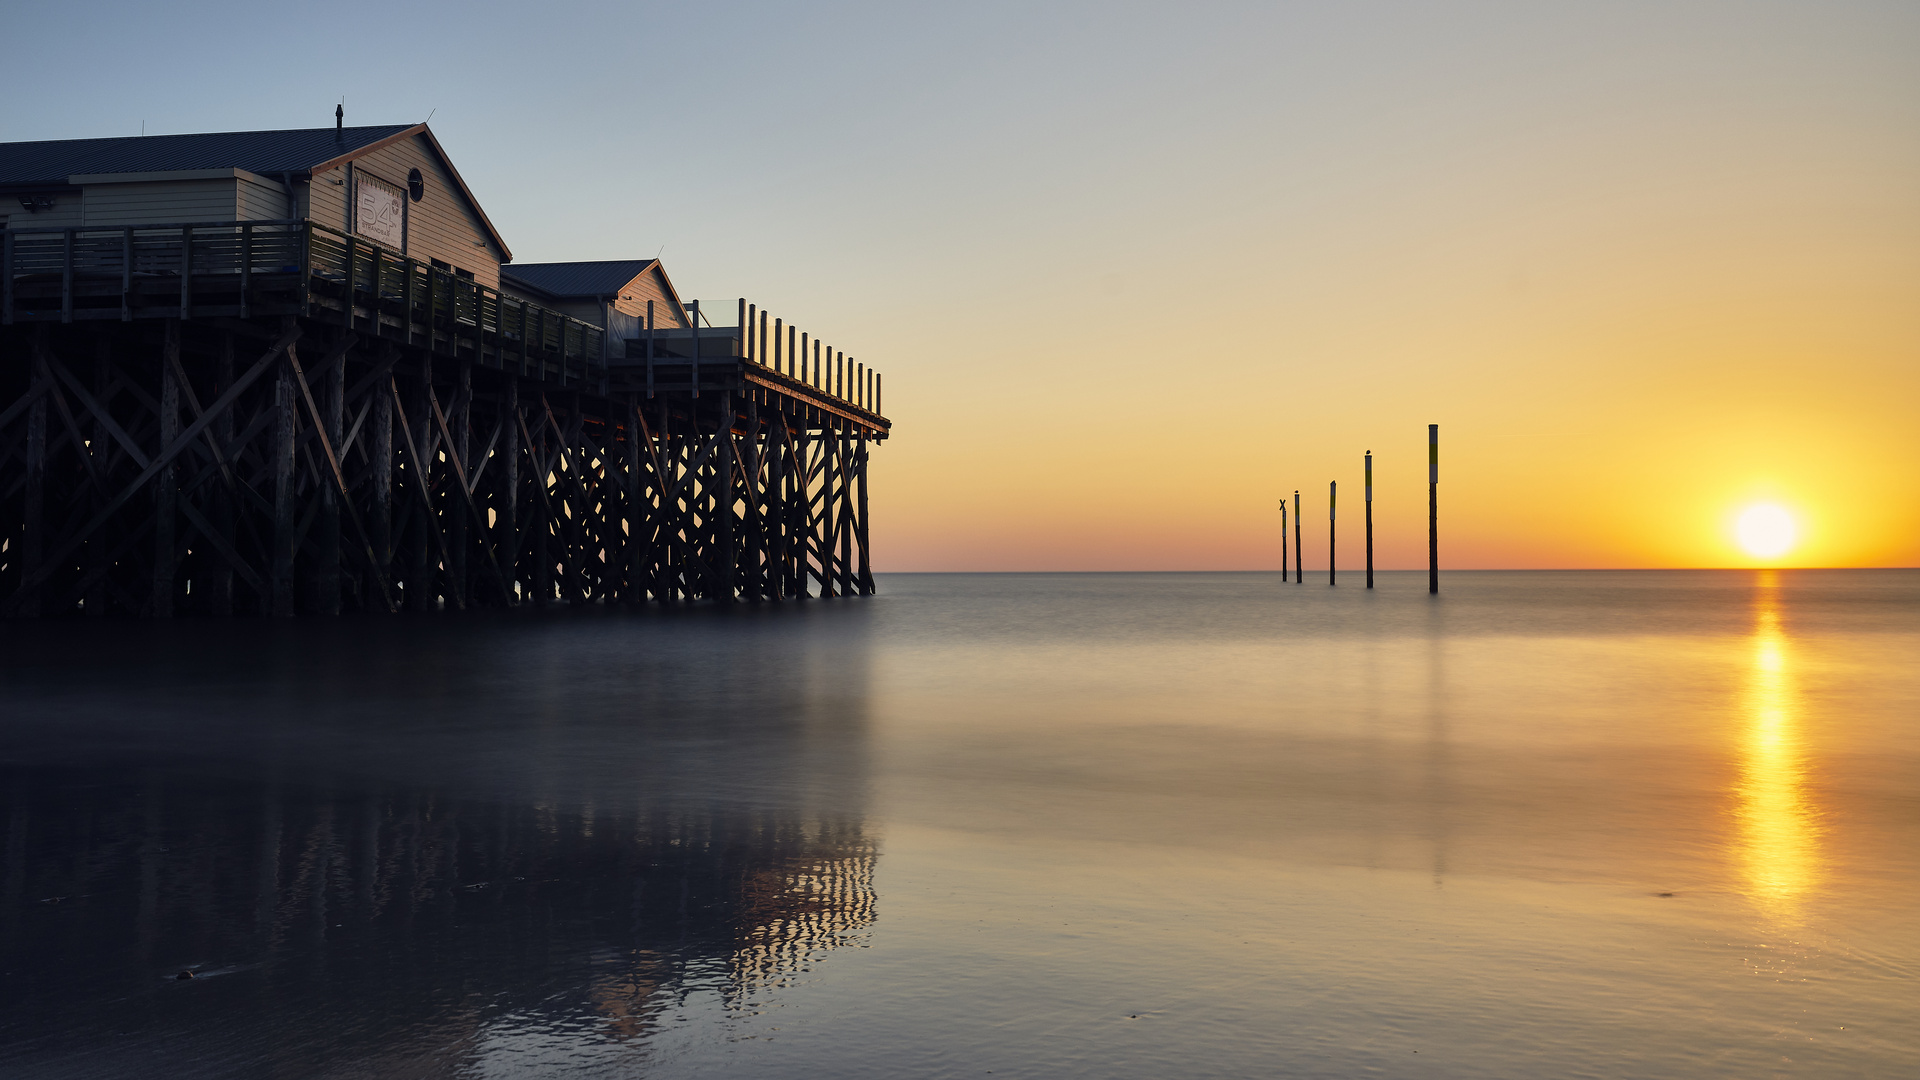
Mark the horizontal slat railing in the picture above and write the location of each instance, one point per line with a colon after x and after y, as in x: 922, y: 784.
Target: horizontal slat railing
x: 389, y: 293
x: 447, y: 312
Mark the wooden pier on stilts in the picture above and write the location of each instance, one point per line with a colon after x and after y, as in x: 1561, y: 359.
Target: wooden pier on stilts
x: 274, y: 417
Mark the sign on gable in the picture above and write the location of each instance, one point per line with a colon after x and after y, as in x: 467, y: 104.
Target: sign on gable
x: 379, y: 211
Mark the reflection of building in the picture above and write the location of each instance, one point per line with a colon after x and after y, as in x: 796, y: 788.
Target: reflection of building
x: 387, y: 914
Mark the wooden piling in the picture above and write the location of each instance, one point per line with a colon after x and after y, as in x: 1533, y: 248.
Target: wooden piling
x: 1369, y: 519
x: 1299, y: 562
x: 283, y: 493
x: 380, y: 471
x: 222, y: 508
x: 166, y: 485
x: 1283, y: 538
x: 142, y: 501
x: 1433, y: 508
x: 1332, y: 553
x: 33, y: 515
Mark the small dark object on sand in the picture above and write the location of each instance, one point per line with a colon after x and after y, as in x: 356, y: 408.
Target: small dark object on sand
x: 1666, y: 894
x: 183, y: 976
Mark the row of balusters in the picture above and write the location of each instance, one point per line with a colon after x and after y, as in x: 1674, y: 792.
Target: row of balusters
x: 775, y: 345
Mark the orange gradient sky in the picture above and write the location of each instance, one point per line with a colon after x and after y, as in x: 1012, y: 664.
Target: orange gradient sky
x: 1133, y: 270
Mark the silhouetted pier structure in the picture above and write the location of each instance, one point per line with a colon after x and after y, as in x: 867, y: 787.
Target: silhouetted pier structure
x: 273, y: 415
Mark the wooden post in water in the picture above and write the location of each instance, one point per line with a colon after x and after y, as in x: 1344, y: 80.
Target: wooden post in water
x: 1369, y: 519
x: 1332, y: 486
x: 1299, y: 563
x: 1283, y: 538
x: 1433, y: 508
x: 695, y: 308
x: 166, y: 485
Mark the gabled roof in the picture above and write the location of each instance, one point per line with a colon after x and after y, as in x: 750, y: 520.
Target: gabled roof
x: 577, y: 279
x: 298, y: 150
x: 265, y: 152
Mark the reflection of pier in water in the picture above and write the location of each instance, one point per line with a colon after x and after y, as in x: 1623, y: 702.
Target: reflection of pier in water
x: 360, y: 885
x: 444, y: 912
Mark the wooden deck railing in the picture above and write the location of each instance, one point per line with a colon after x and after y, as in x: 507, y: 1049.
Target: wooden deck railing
x: 249, y: 268
x: 827, y: 369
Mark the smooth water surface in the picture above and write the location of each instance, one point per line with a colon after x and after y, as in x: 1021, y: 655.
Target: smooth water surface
x: 1547, y: 824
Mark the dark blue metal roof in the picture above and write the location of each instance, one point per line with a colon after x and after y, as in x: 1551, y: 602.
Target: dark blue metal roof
x: 256, y: 151
x: 577, y: 278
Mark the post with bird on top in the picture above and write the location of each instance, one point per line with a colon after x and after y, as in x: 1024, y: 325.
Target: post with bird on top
x: 1433, y: 508
x: 1369, y: 519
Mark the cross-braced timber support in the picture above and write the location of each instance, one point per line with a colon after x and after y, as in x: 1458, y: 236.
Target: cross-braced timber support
x: 321, y: 463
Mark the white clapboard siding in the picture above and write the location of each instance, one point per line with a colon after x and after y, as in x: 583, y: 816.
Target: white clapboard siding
x: 161, y: 202
x: 441, y: 225
x: 651, y: 285
x: 327, y: 199
x: 264, y: 201
x: 67, y: 212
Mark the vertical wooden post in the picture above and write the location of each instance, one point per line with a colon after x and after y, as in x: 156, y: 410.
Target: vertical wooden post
x: 33, y: 539
x: 223, y: 510
x: 1299, y: 561
x: 637, y: 515
x: 760, y: 354
x: 743, y: 325
x: 649, y: 348
x: 543, y: 521
x: 726, y: 543
x: 1369, y: 519
x: 126, y: 279
x: 860, y: 522
x: 380, y: 475
x: 509, y: 524
x: 1283, y: 539
x: 459, y: 420
x: 696, y: 347
x: 573, y: 544
x: 1433, y: 508
x: 802, y: 528
x: 846, y: 512
x: 327, y: 576
x: 283, y: 476
x: 422, y: 581
x: 166, y: 485
x: 1332, y: 558
x: 670, y: 518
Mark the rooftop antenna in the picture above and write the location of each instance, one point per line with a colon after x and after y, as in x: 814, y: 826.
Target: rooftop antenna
x: 430, y: 113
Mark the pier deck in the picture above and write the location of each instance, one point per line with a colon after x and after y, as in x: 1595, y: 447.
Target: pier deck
x: 275, y: 417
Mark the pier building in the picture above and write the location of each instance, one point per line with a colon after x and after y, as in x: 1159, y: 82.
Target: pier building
x: 286, y: 372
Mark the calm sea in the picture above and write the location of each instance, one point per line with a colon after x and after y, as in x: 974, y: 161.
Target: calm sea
x: 1660, y: 824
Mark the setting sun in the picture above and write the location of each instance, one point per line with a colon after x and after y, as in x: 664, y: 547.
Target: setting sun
x: 1766, y: 531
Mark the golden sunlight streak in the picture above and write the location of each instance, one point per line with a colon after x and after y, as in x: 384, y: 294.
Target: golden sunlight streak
x: 1766, y: 531
x: 1778, y: 827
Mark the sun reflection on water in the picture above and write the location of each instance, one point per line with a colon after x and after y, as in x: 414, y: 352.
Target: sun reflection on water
x: 1779, y: 833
